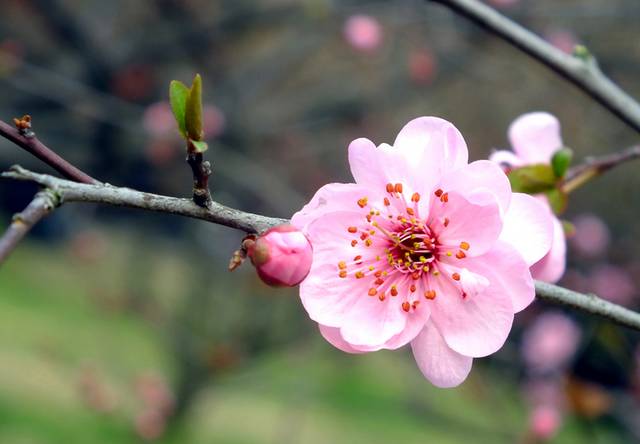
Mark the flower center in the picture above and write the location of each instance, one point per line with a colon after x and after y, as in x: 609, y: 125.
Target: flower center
x: 398, y: 253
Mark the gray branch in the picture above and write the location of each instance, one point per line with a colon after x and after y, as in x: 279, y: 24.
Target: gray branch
x: 581, y: 69
x: 67, y: 191
x: 126, y: 197
x: 588, y: 303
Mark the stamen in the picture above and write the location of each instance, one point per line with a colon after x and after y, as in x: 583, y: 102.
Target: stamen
x: 390, y: 188
x: 394, y: 291
x: 373, y: 292
x: 406, y: 306
x: 444, y: 198
x: 352, y: 230
x: 415, y: 197
x: 439, y: 192
x: 362, y: 202
x: 359, y: 274
x: 430, y: 294
x: 381, y: 296
x: 410, y: 211
x: 460, y: 254
x: 386, y: 202
x: 446, y: 222
x: 455, y: 276
x: 464, y: 245
x: 354, y: 243
x: 412, y: 289
x: 342, y: 265
x: 343, y: 274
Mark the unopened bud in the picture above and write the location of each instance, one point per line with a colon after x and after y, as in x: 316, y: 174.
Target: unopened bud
x: 282, y: 256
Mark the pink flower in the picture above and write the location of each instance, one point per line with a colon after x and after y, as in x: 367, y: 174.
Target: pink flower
x: 592, y: 237
x: 562, y: 39
x: 422, y: 66
x: 158, y: 119
x: 550, y: 342
x: 363, y: 32
x: 614, y: 284
x: 545, y: 421
x: 424, y: 249
x: 282, y: 256
x: 535, y: 137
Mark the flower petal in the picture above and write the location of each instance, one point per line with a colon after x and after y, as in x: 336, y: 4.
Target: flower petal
x: 479, y: 175
x: 331, y: 197
x: 441, y: 365
x: 425, y: 138
x: 474, y: 325
x: 505, y: 267
x: 370, y: 322
x: 333, y: 336
x: 535, y: 137
x: 505, y: 159
x: 551, y: 267
x: 474, y: 219
x: 528, y: 227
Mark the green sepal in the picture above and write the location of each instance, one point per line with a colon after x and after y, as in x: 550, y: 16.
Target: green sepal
x: 532, y: 179
x: 568, y: 228
x: 178, y: 95
x: 558, y: 200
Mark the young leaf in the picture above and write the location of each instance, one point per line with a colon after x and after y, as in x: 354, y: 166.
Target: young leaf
x: 532, y: 179
x: 193, y: 114
x: 560, y: 161
x: 199, y: 145
x: 178, y: 94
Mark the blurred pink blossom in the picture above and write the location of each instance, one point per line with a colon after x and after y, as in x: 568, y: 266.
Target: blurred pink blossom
x: 591, y: 236
x: 213, y: 121
x: 550, y: 342
x: 424, y: 248
x: 158, y: 119
x: 422, y: 66
x: 614, y: 284
x: 150, y: 424
x: 535, y: 137
x: 503, y: 3
x: 155, y: 393
x: 544, y: 422
x: 363, y: 32
x: 562, y: 39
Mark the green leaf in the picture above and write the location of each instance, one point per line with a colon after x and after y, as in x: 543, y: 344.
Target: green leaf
x: 558, y: 200
x: 199, y: 145
x: 193, y: 115
x: 560, y: 161
x: 532, y: 179
x: 178, y: 94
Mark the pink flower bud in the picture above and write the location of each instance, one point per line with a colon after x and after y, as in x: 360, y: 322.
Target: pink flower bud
x: 282, y: 256
x: 363, y: 32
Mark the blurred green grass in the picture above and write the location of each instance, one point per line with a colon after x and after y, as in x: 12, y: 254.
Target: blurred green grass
x: 52, y: 329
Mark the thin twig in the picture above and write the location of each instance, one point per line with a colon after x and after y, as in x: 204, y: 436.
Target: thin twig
x: 201, y: 170
x: 588, y: 303
x: 582, y: 70
x: 126, y: 197
x: 595, y: 166
x: 42, y: 152
x: 41, y: 205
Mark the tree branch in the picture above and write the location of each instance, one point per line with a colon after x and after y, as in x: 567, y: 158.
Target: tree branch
x: 67, y: 191
x: 126, y: 197
x: 582, y: 69
x: 41, y: 205
x: 595, y: 166
x: 589, y: 303
x: 31, y: 144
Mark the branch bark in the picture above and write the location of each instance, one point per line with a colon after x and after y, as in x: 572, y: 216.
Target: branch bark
x: 595, y: 166
x: 126, y: 197
x: 41, y: 205
x: 32, y: 145
x: 582, y: 70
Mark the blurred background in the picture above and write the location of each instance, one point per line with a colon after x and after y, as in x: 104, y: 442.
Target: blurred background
x: 119, y: 326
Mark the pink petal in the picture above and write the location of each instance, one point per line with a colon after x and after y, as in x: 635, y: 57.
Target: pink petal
x: 476, y: 325
x: 331, y: 197
x: 551, y: 267
x: 479, y: 175
x: 441, y: 365
x: 535, y: 137
x: 333, y: 336
x: 427, y: 137
x: 370, y: 322
x: 505, y: 159
x: 528, y: 227
x: 504, y: 266
x: 474, y: 218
